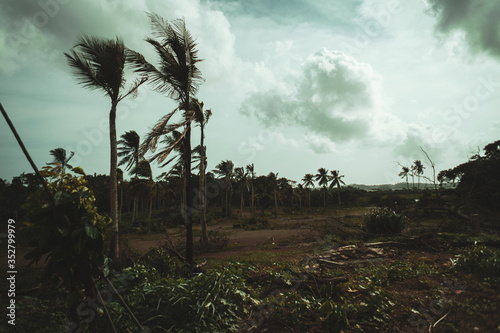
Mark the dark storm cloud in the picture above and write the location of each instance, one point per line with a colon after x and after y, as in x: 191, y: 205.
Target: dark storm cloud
x: 477, y: 19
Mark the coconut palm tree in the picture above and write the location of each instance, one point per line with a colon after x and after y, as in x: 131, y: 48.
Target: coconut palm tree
x: 308, y: 181
x: 405, y: 171
x: 251, y: 172
x: 336, y: 179
x: 98, y: 64
x: 272, y: 179
x: 61, y: 160
x: 225, y: 170
x: 323, y: 178
x: 146, y: 185
x: 178, y: 77
x: 128, y: 152
x: 241, y: 178
x: 418, y: 169
x: 202, y: 117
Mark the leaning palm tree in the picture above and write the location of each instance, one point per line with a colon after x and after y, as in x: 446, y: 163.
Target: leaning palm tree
x: 202, y: 117
x: 405, y: 171
x: 177, y: 77
x: 323, y: 178
x: 337, y: 181
x: 308, y: 181
x: 98, y: 64
x: 60, y: 159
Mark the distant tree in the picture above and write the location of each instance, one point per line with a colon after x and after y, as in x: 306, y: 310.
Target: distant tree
x: 251, y: 172
x: 99, y: 63
x: 308, y: 182
x: 225, y: 170
x: 272, y: 179
x: 241, y: 178
x: 323, y: 178
x: 128, y: 152
x: 418, y: 169
x: 337, y: 181
x: 61, y: 159
x: 404, y: 174
x: 202, y: 117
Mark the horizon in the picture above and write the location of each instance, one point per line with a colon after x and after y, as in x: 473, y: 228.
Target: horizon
x: 354, y: 86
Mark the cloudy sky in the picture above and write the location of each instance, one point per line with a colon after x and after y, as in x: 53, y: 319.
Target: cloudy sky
x: 293, y: 85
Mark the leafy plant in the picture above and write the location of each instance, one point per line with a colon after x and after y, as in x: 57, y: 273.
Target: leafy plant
x: 69, y: 231
x: 384, y: 221
x: 481, y: 261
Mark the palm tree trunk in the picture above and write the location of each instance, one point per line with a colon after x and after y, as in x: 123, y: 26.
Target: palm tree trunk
x: 121, y: 201
x: 188, y: 199
x: 150, y: 209
x: 309, y: 198
x: 114, y: 245
x: 241, y: 204
x: 253, y: 199
x: 275, y: 203
x: 204, y: 234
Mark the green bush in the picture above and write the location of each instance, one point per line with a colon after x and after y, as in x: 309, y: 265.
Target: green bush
x: 481, y: 261
x: 384, y: 221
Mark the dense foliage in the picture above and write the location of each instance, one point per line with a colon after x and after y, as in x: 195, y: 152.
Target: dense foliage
x: 384, y: 221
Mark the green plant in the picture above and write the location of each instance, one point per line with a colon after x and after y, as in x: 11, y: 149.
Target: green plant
x: 481, y: 261
x: 333, y: 317
x: 384, y: 221
x: 210, y: 302
x: 69, y: 231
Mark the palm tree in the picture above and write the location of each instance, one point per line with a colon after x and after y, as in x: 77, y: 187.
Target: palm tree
x: 418, y: 169
x: 251, y: 172
x: 241, y: 178
x: 202, y: 117
x: 146, y: 185
x: 128, y: 152
x: 308, y: 181
x: 225, y: 170
x: 272, y: 179
x: 98, y: 64
x: 60, y: 159
x: 323, y: 179
x: 336, y: 182
x: 178, y: 77
x: 404, y: 174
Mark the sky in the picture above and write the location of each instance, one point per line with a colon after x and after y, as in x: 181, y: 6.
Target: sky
x: 357, y: 86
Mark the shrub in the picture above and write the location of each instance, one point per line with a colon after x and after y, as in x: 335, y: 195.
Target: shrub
x: 384, y: 221
x: 481, y: 261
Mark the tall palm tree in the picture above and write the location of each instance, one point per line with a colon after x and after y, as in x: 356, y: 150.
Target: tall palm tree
x: 178, y: 77
x: 202, y: 117
x: 225, y: 170
x: 418, y: 169
x: 241, y: 178
x: 308, y: 181
x: 337, y: 181
x: 251, y: 172
x: 405, y: 171
x: 98, y: 64
x: 60, y: 159
x: 323, y: 178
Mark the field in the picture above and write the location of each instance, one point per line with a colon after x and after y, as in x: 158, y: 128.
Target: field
x: 316, y: 271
